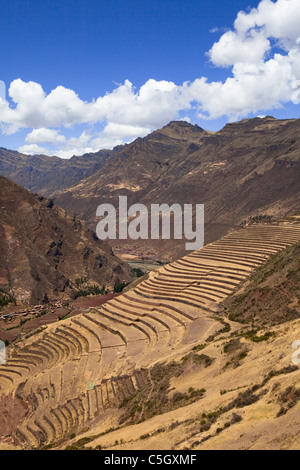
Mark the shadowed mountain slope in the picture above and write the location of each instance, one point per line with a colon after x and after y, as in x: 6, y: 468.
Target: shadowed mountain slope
x: 43, y: 250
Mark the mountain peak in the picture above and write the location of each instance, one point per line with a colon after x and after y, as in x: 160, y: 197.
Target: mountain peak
x: 180, y: 130
x: 183, y: 124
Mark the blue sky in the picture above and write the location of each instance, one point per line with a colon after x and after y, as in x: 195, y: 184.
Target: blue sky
x: 89, y: 48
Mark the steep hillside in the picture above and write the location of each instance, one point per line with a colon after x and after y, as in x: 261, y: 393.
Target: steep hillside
x: 45, y: 175
x: 43, y: 250
x: 272, y: 294
x: 248, y: 169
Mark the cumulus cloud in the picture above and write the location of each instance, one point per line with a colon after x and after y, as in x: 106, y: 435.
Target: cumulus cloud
x: 261, y: 52
x: 42, y: 135
x: 279, y: 20
x: 124, y: 131
x: 154, y: 103
x: 252, y: 88
x: 260, y: 79
x: 34, y: 149
x: 77, y: 146
x: 234, y: 48
x: 250, y: 40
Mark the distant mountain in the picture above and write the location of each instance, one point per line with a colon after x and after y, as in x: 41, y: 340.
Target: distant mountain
x: 45, y: 175
x: 249, y: 169
x: 47, y: 254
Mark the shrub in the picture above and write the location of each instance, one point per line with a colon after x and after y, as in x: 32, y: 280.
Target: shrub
x: 5, y: 299
x: 202, y: 359
x: 236, y: 418
x: 252, y: 336
x: 138, y: 272
x: 199, y: 347
x: 120, y: 287
x: 90, y: 290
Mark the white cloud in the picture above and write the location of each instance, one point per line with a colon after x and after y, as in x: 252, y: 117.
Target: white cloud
x: 279, y: 20
x: 42, y: 135
x: 2, y: 90
x: 122, y: 130
x: 253, y: 87
x: 186, y: 118
x: 250, y: 40
x: 233, y: 48
x: 260, y: 78
x: 34, y: 149
x: 77, y: 146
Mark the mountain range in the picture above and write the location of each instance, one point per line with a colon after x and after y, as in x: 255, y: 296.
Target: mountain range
x: 247, y: 171
x: 45, y: 175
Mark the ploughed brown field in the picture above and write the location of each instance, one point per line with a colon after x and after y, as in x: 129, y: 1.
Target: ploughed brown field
x: 177, y: 361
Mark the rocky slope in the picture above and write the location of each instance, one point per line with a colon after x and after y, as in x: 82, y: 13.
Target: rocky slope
x: 45, y: 253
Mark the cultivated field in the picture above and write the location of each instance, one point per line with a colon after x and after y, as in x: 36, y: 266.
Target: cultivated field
x: 81, y: 377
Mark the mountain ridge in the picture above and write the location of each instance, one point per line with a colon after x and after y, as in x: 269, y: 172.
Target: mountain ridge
x: 45, y: 175
x: 248, y: 169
